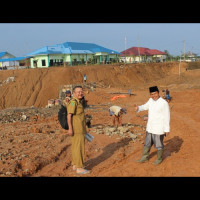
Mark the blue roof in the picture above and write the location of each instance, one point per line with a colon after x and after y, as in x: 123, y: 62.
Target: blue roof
x: 72, y: 48
x: 2, y: 54
x: 55, y: 49
x: 93, y: 48
x: 12, y: 59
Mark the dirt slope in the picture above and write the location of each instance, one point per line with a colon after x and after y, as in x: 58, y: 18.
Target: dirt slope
x: 33, y: 87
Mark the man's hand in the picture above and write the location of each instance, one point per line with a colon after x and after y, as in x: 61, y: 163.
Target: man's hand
x: 136, y: 107
x: 145, y: 118
x: 70, y: 132
x: 166, y: 134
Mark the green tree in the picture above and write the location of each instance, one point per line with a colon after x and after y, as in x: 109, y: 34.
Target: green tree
x: 169, y: 56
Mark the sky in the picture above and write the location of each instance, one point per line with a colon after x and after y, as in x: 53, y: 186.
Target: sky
x: 20, y: 39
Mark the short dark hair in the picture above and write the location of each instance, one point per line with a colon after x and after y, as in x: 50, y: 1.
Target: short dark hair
x: 77, y: 86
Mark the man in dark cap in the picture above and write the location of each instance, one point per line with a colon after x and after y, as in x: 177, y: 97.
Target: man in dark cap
x: 158, y: 124
x: 67, y: 97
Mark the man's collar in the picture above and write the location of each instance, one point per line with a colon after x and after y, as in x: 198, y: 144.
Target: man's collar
x: 78, y: 100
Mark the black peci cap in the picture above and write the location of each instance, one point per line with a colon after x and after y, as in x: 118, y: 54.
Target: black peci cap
x: 153, y: 89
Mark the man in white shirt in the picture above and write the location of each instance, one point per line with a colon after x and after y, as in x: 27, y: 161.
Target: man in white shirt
x: 116, y: 113
x: 158, y: 124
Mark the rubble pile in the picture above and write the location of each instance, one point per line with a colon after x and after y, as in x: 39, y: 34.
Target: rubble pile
x: 133, y: 131
x: 24, y: 114
x: 8, y: 80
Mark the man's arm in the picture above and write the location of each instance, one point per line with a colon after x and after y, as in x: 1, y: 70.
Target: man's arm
x: 69, y: 121
x: 166, y: 113
x: 142, y: 107
x: 120, y: 120
x: 71, y: 109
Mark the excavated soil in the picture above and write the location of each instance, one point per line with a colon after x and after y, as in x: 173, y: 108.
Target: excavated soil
x: 33, y: 144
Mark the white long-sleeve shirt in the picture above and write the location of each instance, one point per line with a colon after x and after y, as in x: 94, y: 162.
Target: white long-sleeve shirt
x: 158, y: 116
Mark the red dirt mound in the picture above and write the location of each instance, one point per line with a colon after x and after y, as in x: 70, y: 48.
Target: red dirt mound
x: 33, y: 87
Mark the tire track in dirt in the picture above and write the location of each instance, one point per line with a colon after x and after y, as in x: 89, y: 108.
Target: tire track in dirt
x: 37, y: 88
x: 3, y: 97
x: 58, y: 164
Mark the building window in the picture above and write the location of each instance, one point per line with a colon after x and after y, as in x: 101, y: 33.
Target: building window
x: 43, y: 62
x: 56, y: 62
x: 51, y: 62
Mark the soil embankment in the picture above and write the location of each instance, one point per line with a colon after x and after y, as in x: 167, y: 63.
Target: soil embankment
x: 33, y: 87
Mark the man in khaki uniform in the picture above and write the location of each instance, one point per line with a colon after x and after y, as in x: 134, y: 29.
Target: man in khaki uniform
x: 77, y: 129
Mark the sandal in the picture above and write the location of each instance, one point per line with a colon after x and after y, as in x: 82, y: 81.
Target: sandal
x: 84, y: 172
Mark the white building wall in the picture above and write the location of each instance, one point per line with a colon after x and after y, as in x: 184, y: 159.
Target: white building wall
x: 8, y: 63
x: 131, y: 59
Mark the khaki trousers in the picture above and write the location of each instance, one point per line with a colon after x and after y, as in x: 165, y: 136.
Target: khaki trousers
x: 78, y: 149
x: 151, y: 139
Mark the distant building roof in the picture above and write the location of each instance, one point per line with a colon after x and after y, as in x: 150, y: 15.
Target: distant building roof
x: 2, y: 53
x: 190, y: 54
x: 156, y: 52
x: 72, y: 48
x: 136, y: 51
x: 75, y: 47
x: 12, y: 59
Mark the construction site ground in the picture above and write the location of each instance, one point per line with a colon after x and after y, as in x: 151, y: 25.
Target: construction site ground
x: 33, y: 144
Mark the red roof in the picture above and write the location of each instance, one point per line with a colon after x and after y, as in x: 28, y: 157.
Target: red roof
x: 157, y: 52
x: 136, y: 51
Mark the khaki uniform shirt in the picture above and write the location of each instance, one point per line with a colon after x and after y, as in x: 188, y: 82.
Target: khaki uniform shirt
x: 78, y: 118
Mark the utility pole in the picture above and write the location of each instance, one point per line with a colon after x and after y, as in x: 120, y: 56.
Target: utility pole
x: 179, y: 70
x: 184, y: 50
x: 139, y: 47
x: 125, y: 48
